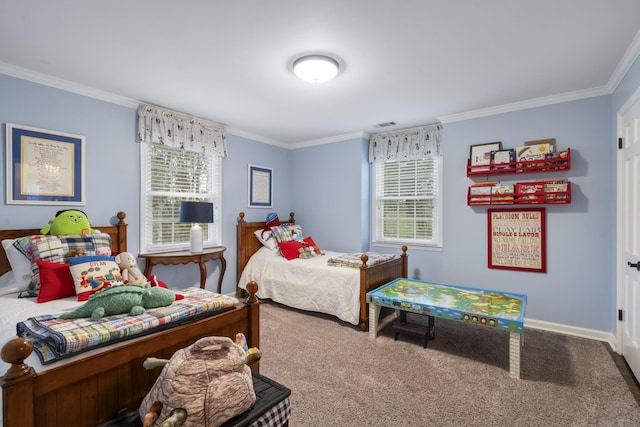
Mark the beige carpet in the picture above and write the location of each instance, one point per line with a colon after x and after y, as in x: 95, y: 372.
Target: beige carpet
x: 338, y: 376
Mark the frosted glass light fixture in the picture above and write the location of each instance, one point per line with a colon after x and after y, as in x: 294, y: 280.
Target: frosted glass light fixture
x: 196, y: 213
x: 315, y: 68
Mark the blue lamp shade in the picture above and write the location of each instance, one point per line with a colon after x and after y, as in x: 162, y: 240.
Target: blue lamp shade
x: 196, y: 213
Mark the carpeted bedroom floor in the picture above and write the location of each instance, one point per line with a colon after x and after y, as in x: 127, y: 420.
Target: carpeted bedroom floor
x: 338, y: 376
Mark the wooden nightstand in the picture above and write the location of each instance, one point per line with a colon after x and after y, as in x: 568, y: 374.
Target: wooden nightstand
x: 186, y: 257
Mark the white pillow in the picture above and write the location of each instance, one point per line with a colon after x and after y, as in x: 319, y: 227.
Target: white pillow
x: 267, y: 239
x: 8, y: 284
x: 20, y: 264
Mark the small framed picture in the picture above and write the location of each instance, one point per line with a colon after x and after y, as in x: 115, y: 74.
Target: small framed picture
x: 501, y: 159
x: 44, y: 167
x: 480, y: 155
x: 260, y: 189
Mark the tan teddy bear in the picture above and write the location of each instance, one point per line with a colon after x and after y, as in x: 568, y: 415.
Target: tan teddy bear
x: 131, y: 274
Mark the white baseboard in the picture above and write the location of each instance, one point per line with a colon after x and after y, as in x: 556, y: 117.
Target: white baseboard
x: 607, y: 337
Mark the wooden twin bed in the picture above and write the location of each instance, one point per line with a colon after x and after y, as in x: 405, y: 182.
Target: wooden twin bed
x: 90, y: 388
x: 371, y: 277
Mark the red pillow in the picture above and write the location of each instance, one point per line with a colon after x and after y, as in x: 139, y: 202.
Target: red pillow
x: 309, y: 241
x: 56, y: 281
x: 290, y: 249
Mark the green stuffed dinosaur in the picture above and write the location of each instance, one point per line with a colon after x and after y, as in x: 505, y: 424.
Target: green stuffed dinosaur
x: 68, y: 222
x: 121, y: 299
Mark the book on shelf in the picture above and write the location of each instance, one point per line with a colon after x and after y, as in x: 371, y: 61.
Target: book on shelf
x: 503, y: 159
x: 558, y: 186
x: 530, y: 192
x: 528, y: 153
x: 485, y: 183
x: 480, y: 192
x: 493, y: 192
x: 502, y: 194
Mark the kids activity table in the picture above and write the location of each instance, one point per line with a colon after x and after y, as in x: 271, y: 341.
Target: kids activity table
x: 473, y: 306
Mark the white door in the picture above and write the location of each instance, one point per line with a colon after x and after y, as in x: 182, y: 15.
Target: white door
x: 628, y: 269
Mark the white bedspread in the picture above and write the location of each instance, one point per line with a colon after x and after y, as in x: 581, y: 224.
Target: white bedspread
x: 308, y: 284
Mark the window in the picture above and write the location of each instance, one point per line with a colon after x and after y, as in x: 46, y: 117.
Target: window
x: 181, y: 159
x: 169, y: 176
x: 406, y: 204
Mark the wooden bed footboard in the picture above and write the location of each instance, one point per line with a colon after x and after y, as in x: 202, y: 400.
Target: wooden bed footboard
x: 90, y: 389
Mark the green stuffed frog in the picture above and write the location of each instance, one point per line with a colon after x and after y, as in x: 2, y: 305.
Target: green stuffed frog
x: 68, y: 222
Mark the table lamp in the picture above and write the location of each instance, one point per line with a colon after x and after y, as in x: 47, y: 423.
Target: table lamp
x: 196, y: 213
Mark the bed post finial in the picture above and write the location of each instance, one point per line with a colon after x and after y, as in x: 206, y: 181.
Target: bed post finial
x: 121, y: 216
x: 241, y: 215
x: 252, y: 288
x: 15, y: 352
x: 364, y: 258
x: 291, y: 217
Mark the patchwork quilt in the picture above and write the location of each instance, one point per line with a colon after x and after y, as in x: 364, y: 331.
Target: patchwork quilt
x: 353, y: 259
x: 55, y: 339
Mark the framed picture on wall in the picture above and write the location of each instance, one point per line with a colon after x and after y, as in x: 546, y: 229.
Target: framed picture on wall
x: 260, y: 190
x: 517, y: 239
x: 44, y: 167
x: 480, y: 155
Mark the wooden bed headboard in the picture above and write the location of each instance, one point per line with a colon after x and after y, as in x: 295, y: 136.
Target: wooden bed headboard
x: 117, y: 232
x: 247, y: 243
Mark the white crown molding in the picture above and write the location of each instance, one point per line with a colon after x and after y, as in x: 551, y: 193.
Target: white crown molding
x: 532, y: 103
x: 625, y: 63
x: 331, y: 139
x: 44, y: 79
x: 257, y: 138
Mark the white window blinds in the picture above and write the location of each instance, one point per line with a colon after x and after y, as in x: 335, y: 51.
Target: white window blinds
x: 174, y: 175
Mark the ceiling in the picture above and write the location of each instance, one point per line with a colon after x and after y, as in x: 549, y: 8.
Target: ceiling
x: 413, y: 62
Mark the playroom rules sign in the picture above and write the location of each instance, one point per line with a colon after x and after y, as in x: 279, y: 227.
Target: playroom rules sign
x: 517, y: 239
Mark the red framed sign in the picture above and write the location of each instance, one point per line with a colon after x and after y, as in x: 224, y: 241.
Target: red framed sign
x: 517, y: 239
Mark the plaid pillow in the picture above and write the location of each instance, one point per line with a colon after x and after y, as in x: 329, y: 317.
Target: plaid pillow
x: 287, y: 232
x: 55, y: 249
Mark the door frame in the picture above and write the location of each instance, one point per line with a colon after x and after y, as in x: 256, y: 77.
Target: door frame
x: 620, y: 262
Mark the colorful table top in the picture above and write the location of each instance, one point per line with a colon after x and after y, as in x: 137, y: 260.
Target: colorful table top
x: 500, y: 310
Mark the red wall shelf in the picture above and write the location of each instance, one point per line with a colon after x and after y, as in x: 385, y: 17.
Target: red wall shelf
x: 552, y: 164
x: 516, y: 198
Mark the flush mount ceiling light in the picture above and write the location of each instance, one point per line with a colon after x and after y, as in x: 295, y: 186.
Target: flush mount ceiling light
x: 315, y: 68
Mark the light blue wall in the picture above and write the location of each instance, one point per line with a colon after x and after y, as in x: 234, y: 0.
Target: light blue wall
x: 113, y: 170
x: 243, y: 151
x: 112, y: 178
x: 579, y: 267
x: 327, y: 186
x: 578, y: 288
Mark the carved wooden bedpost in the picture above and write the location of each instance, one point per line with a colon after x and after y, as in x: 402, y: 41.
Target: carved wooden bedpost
x: 17, y: 406
x: 405, y: 268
